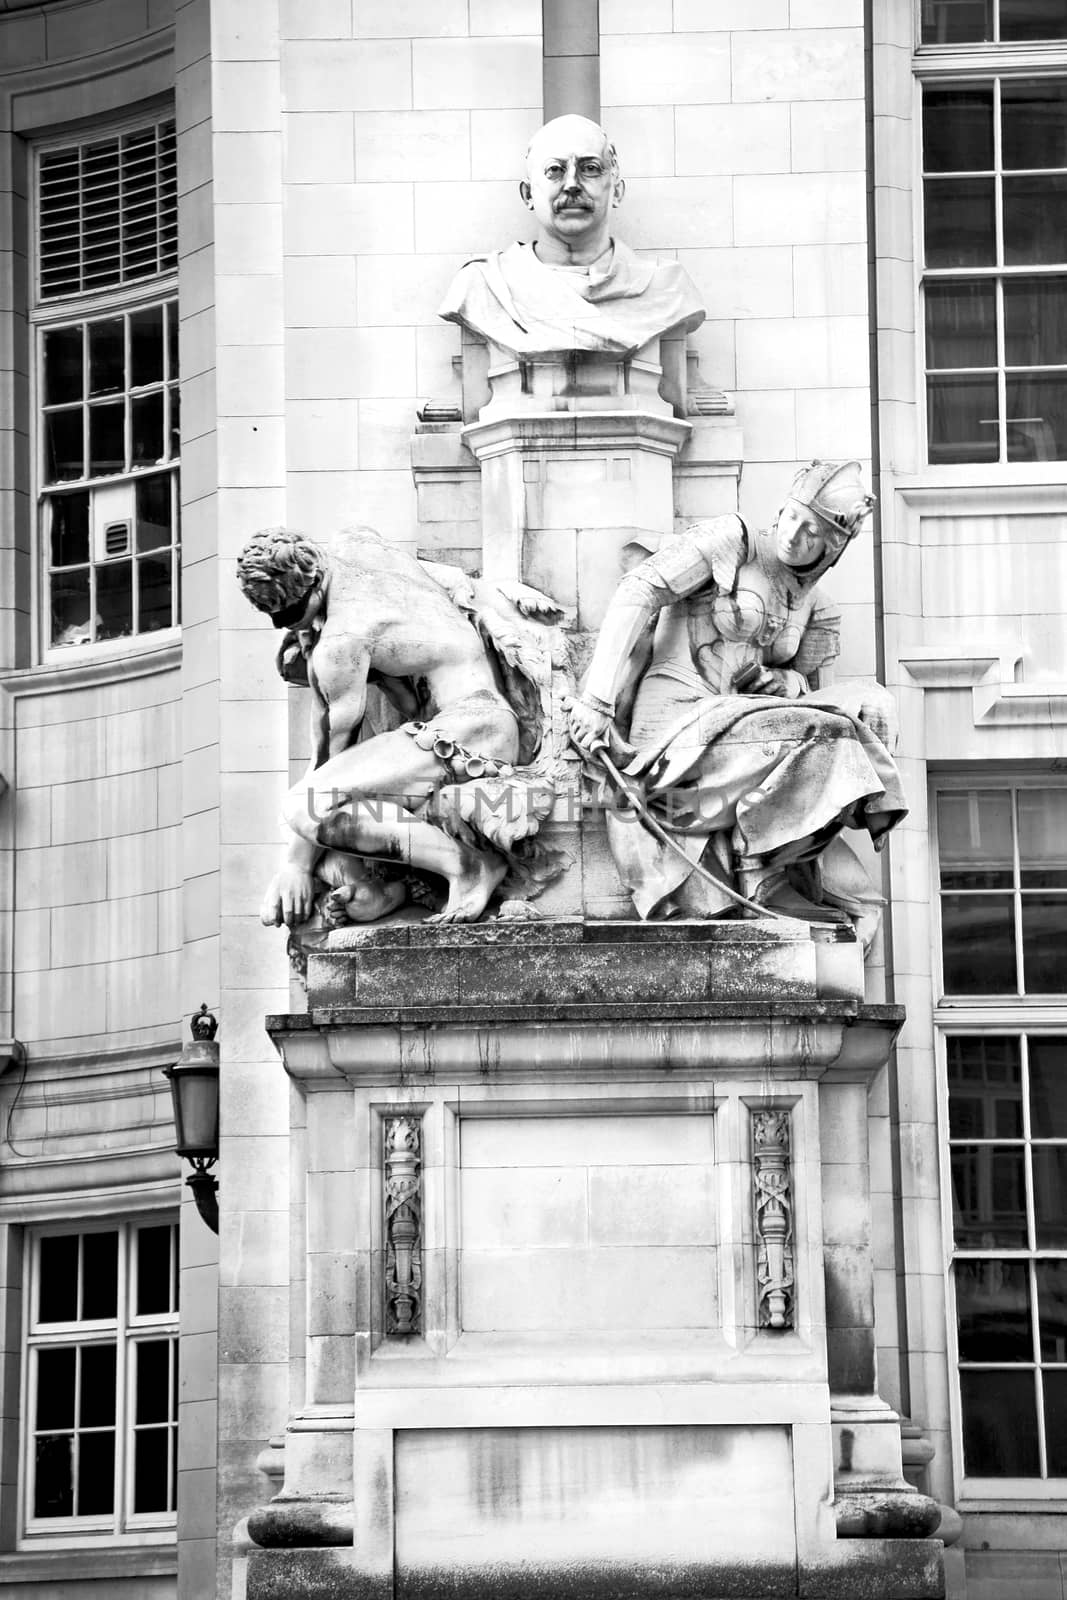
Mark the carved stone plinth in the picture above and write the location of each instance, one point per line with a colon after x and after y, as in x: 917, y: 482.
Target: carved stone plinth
x: 573, y: 1177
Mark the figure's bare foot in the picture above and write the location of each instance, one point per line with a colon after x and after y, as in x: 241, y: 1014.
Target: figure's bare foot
x: 362, y: 902
x: 470, y: 890
x: 335, y: 907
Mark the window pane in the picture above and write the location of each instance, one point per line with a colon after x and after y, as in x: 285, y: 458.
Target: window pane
x: 63, y: 446
x: 974, y: 838
x: 151, y: 1448
x: 1037, y: 417
x: 153, y: 1381
x: 1050, y: 1198
x: 100, y: 1274
x: 1048, y: 1087
x: 107, y: 440
x: 172, y: 339
x: 962, y: 419
x: 960, y: 221
x: 1032, y: 19
x: 153, y: 512
x: 154, y: 576
x: 1043, y: 839
x: 1044, y: 944
x: 1035, y: 221
x: 978, y: 943
x: 55, y: 1388
x: 70, y: 529
x: 1052, y: 1309
x: 57, y: 1298
x: 999, y: 1424
x: 985, y: 1092
x: 96, y: 1474
x: 175, y: 422
x: 1035, y: 322
x: 70, y: 608
x: 107, y: 361
x: 53, y: 1491
x: 958, y: 129
x: 63, y: 376
x: 1034, y: 122
x: 989, y: 1197
x: 146, y: 347
x: 1056, y: 1423
x: 993, y: 1309
x: 961, y: 324
x: 114, y: 600
x: 97, y: 1397
x: 956, y: 21
x: 153, y: 1270
x: 146, y: 429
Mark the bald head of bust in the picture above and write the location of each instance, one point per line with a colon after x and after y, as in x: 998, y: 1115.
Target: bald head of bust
x: 572, y: 183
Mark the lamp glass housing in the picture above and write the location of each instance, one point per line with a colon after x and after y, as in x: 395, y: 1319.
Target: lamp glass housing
x: 194, y: 1087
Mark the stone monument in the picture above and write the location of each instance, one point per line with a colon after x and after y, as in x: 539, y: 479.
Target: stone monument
x: 583, y: 1287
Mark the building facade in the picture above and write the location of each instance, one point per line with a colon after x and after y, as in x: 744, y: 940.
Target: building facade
x: 226, y: 229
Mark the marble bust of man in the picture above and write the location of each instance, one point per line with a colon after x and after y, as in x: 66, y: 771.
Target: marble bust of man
x: 575, y: 287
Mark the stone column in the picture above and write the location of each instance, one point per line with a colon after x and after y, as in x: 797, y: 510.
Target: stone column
x: 872, y: 1496
x: 570, y: 58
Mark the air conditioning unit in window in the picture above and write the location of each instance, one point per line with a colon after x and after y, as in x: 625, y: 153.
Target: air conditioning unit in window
x: 112, y: 513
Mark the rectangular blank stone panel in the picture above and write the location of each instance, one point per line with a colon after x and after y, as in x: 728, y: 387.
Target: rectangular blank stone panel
x: 587, y: 1224
x: 615, y: 1510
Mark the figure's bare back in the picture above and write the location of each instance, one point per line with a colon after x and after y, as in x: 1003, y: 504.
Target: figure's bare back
x: 388, y: 611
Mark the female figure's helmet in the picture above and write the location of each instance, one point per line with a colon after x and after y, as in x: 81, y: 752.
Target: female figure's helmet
x: 834, y: 493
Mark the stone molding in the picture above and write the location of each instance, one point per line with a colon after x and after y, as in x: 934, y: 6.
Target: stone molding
x: 839, y: 1043
x: 57, y: 677
x: 543, y: 432
x: 997, y: 698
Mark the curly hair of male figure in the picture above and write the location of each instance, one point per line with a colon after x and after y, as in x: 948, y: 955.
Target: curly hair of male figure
x: 277, y: 566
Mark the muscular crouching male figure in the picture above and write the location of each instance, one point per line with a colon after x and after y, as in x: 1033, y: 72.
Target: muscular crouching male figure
x: 366, y: 612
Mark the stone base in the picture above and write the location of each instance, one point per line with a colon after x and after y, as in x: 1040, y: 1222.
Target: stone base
x: 877, y: 1570
x: 571, y: 962
x: 289, y: 1522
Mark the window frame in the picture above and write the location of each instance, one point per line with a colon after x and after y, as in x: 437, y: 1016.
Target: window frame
x: 119, y: 300
x: 956, y: 65
x: 122, y: 1527
x: 981, y: 1016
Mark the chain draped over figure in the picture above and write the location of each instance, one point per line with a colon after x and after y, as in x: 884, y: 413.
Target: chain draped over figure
x: 453, y: 787
x: 705, y: 685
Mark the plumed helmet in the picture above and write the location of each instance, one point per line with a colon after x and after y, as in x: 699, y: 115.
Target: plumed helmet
x: 834, y: 491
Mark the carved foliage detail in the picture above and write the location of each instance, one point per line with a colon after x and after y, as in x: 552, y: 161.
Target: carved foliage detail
x: 773, y: 1200
x: 403, y: 1225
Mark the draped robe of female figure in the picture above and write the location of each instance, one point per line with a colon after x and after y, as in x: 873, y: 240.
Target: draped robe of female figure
x: 768, y: 782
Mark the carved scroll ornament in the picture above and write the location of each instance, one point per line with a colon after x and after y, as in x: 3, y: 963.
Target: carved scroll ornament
x: 403, y: 1225
x: 772, y: 1196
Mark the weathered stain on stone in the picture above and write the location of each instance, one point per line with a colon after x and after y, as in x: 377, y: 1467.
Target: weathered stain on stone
x: 582, y: 1580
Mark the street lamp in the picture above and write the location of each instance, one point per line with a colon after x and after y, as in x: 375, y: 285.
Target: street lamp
x: 194, y: 1088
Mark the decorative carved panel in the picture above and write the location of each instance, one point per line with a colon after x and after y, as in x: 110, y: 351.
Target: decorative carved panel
x: 403, y: 1224
x: 773, y: 1201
